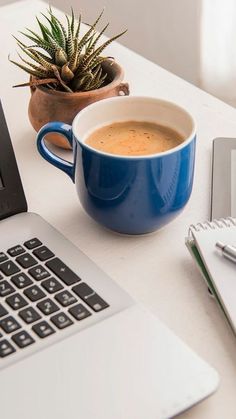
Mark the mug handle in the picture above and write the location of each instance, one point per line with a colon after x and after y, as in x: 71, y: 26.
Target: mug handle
x: 60, y: 128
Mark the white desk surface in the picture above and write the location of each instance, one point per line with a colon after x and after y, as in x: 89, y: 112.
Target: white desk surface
x: 156, y: 269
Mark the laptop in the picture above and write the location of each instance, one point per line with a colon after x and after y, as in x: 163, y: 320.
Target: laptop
x: 73, y: 344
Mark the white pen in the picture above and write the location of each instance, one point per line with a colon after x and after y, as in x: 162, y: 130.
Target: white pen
x: 227, y: 251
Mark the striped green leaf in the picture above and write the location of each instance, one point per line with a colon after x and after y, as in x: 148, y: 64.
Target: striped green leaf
x: 57, y: 52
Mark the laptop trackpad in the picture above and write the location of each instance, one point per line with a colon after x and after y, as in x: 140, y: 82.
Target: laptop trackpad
x: 129, y: 366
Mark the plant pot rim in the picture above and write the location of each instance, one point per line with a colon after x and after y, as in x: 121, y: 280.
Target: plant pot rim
x: 117, y: 79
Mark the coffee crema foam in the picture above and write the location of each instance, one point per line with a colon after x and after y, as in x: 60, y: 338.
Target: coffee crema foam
x: 134, y: 138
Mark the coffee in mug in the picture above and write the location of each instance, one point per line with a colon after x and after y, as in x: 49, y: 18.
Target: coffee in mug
x: 134, y: 138
x: 131, y: 193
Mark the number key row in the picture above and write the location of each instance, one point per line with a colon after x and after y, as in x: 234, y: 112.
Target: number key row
x: 18, y: 249
x: 25, y: 260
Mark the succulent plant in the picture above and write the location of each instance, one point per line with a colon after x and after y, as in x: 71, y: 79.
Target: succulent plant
x: 60, y: 58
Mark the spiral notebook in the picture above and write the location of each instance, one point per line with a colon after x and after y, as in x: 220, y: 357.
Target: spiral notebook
x: 218, y: 272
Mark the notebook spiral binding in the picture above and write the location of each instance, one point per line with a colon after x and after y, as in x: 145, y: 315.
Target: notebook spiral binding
x: 214, y: 224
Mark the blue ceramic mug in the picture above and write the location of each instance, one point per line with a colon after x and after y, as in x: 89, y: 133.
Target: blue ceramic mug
x: 128, y: 194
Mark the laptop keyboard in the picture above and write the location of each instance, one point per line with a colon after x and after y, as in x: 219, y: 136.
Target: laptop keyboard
x: 40, y: 290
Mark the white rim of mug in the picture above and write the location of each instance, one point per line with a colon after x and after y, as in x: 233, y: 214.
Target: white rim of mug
x: 188, y: 140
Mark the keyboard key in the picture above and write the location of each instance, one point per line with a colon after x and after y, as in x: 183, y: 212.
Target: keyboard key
x: 61, y: 320
x: 3, y: 311
x: 16, y: 301
x: 6, y: 289
x: 43, y: 253
x: 51, y: 285
x: 6, y: 348
x: 89, y: 296
x: 9, y: 268
x: 3, y: 257
x: 9, y: 324
x: 47, y: 306
x: 65, y: 298
x: 26, y: 260
x: 96, y: 303
x: 43, y: 329
x: 83, y: 290
x: 32, y: 243
x: 21, y: 280
x: 16, y: 250
x: 29, y: 315
x: 39, y: 272
x: 62, y: 271
x: 34, y: 293
x: 79, y: 312
x: 23, y: 339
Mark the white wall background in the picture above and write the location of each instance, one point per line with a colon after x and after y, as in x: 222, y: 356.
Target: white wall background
x: 191, y: 38
x: 218, y: 49
x: 164, y: 31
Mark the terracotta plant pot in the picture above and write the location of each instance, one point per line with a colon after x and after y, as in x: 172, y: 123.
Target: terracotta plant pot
x: 48, y: 105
